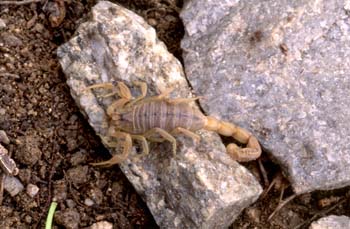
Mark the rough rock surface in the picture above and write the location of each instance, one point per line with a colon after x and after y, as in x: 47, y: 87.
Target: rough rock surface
x: 201, y: 186
x: 331, y: 222
x: 281, y: 70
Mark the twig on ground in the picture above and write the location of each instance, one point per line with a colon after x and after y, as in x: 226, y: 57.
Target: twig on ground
x: 281, y: 205
x: 277, y: 182
x: 281, y: 195
x: 267, y: 190
x: 18, y: 3
x: 263, y: 173
x: 5, y: 74
x: 2, y: 179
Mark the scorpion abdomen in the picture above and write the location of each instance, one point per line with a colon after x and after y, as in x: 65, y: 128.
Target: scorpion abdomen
x: 160, y: 114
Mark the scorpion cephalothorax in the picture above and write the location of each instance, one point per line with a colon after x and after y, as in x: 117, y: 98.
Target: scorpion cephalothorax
x: 159, y: 118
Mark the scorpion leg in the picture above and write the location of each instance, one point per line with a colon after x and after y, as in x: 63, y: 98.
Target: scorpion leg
x: 164, y: 135
x: 187, y: 133
x: 252, y: 150
x: 141, y: 99
x: 109, y: 143
x: 122, y: 90
x: 155, y: 139
x: 118, y: 157
x: 125, y: 95
x: 103, y: 85
x: 100, y: 85
x: 142, y: 139
x: 116, y: 105
x: 162, y: 96
x: 165, y: 93
x: 143, y: 87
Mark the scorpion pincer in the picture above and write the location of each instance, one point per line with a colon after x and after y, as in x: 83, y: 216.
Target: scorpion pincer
x: 159, y: 118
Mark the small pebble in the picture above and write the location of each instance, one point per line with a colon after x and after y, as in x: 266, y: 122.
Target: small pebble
x: 60, y: 190
x: 11, y: 40
x: 70, y: 203
x: 3, y: 137
x: 153, y: 22
x: 28, y: 219
x: 28, y: 152
x: 78, y: 175
x: 13, y: 185
x: 2, y: 111
x: 25, y: 175
x: 39, y: 28
x: 2, y: 24
x: 254, y: 214
x: 78, y: 158
x: 68, y: 218
x: 32, y: 190
x: 96, y: 195
x: 88, y: 202
x: 102, y: 225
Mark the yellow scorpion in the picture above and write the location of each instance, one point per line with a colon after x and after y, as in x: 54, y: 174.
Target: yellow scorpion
x: 159, y: 118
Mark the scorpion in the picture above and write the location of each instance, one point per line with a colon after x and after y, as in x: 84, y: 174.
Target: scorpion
x: 159, y: 118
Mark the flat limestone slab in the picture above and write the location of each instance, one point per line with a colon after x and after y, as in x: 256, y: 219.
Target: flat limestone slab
x: 199, y: 188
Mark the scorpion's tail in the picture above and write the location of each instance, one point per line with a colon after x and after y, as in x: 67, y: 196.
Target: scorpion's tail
x: 252, y: 150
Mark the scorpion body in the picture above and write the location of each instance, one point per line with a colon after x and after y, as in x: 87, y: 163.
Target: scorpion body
x: 159, y: 118
x: 158, y: 114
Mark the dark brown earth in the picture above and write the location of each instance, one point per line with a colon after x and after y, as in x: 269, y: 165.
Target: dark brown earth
x: 53, y: 144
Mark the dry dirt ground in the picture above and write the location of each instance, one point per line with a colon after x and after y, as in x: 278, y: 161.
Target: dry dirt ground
x: 53, y: 144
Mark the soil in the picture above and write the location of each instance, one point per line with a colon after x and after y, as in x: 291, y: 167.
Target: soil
x: 53, y: 144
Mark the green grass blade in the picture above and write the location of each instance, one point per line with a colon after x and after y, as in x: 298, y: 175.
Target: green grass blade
x: 49, y: 219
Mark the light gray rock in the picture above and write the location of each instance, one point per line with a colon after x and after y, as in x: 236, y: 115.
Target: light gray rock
x: 199, y: 188
x: 7, y: 164
x: 13, y: 185
x: 281, y: 70
x: 3, y: 138
x: 102, y: 225
x: 32, y: 190
x: 2, y: 24
x: 331, y: 222
x: 89, y: 202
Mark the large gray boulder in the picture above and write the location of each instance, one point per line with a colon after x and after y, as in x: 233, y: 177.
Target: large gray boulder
x: 201, y: 187
x: 281, y: 70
